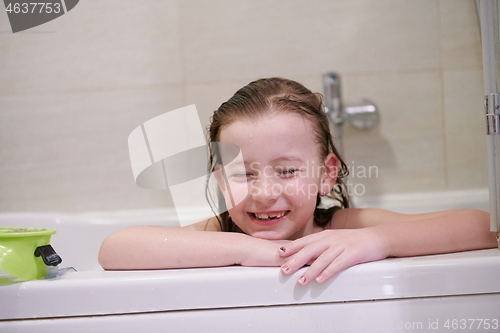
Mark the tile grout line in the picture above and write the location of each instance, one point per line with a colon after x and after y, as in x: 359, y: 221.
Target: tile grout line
x: 442, y: 100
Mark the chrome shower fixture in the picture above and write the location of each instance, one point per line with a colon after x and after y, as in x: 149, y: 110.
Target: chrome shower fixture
x: 362, y: 115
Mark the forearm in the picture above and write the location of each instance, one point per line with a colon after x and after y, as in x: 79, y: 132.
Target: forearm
x: 459, y: 230
x: 149, y: 247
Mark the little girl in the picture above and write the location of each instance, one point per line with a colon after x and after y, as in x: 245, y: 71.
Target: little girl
x: 290, y: 169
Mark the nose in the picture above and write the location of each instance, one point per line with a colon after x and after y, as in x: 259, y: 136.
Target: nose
x: 265, y: 189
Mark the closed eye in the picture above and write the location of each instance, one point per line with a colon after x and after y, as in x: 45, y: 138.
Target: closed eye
x: 287, y: 173
x: 241, y: 176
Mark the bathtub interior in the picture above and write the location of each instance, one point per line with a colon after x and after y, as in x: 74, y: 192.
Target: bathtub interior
x: 79, y: 236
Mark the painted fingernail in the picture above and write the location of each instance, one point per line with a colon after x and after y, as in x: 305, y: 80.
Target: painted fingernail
x: 285, y: 268
x: 319, y: 279
x: 282, y: 249
x: 302, y: 280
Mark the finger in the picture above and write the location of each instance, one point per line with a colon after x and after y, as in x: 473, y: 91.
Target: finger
x: 341, y: 263
x: 307, y: 254
x: 291, y: 248
x: 323, y: 262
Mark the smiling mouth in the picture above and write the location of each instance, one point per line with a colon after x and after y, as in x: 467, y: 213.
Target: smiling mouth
x: 269, y: 216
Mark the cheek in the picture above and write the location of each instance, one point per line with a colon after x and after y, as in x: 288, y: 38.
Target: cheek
x: 304, y: 189
x: 235, y: 193
x: 238, y: 216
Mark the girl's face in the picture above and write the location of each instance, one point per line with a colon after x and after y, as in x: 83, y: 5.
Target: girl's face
x: 280, y: 178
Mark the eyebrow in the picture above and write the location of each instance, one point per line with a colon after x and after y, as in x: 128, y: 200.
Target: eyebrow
x: 279, y: 159
x: 288, y: 158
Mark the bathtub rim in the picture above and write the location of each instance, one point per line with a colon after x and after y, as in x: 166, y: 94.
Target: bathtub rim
x: 91, y: 293
x: 449, y: 274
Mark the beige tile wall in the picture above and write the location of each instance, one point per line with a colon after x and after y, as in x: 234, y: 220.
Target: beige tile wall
x: 72, y: 90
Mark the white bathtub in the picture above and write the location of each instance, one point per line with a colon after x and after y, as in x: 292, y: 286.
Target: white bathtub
x: 441, y: 293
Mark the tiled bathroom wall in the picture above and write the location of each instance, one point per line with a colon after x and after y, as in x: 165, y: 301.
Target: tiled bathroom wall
x: 72, y: 90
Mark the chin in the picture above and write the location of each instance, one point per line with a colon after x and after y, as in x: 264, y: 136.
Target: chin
x: 268, y: 234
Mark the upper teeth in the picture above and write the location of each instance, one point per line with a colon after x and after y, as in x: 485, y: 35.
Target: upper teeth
x: 263, y: 216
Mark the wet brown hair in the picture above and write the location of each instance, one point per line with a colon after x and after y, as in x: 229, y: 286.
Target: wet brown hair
x: 278, y: 95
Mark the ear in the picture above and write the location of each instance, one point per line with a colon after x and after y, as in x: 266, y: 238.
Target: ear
x: 330, y: 174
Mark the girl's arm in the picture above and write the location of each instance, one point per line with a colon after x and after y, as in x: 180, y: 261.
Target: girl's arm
x: 431, y: 233
x: 152, y: 247
x: 373, y: 234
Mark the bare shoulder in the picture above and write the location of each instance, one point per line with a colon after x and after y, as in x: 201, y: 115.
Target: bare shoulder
x: 339, y: 219
x: 367, y: 217
x: 208, y: 225
x: 354, y: 218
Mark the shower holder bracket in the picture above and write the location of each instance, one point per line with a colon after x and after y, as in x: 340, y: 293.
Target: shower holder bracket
x: 492, y: 109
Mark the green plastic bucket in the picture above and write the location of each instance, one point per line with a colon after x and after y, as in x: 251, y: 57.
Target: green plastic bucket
x: 26, y: 252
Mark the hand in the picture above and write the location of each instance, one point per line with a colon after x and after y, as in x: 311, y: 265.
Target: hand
x: 331, y: 251
x: 262, y: 252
